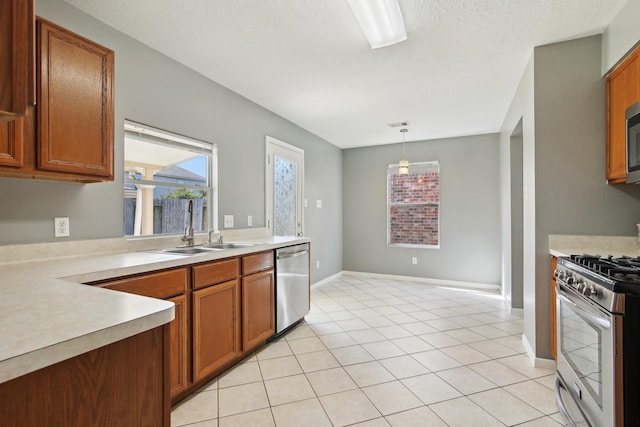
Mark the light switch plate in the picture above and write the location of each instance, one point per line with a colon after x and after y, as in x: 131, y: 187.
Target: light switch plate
x: 249, y: 221
x: 228, y: 221
x: 318, y: 204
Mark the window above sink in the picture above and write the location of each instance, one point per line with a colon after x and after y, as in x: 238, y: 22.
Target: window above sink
x: 163, y: 171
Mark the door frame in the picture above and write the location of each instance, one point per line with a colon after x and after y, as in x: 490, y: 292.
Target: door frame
x: 276, y: 146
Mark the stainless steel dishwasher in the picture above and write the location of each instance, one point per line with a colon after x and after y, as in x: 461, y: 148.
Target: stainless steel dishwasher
x: 292, y: 285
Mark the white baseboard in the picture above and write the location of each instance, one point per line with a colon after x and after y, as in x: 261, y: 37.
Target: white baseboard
x: 537, y: 362
x: 326, y: 280
x: 439, y: 282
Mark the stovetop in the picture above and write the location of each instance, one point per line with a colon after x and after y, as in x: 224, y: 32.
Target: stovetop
x: 620, y: 275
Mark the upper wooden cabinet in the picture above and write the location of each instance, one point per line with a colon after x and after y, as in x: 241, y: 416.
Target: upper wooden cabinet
x: 17, y: 50
x: 623, y: 90
x: 12, y: 143
x: 74, y: 103
x: 68, y: 136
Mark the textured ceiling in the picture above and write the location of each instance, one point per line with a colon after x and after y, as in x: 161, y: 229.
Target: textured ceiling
x: 308, y: 61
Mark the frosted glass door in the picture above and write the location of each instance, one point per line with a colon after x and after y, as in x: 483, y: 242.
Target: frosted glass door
x: 285, y: 177
x: 285, y: 218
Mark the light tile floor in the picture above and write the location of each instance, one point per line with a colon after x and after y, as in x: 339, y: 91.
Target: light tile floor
x: 378, y: 352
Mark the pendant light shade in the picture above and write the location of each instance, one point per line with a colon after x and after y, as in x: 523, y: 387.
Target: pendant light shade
x: 403, y: 165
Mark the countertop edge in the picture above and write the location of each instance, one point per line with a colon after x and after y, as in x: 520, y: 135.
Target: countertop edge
x: 566, y: 245
x: 41, y: 358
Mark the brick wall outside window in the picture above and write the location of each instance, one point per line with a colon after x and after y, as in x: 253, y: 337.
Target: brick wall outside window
x: 414, y: 205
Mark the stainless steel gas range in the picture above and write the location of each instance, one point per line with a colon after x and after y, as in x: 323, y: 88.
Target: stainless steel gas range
x: 598, y: 321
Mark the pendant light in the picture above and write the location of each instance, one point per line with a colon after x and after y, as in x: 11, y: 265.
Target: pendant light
x: 403, y: 165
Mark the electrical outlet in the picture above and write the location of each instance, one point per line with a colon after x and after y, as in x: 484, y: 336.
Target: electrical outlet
x: 61, y: 226
x: 318, y: 204
x: 414, y: 260
x: 249, y: 221
x: 318, y: 264
x: 228, y: 221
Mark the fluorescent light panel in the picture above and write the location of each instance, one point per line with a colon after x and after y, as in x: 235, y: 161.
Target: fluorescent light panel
x: 380, y: 20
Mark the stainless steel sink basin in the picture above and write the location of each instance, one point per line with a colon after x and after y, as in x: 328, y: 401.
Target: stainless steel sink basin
x: 200, y: 249
x: 229, y: 245
x: 190, y: 250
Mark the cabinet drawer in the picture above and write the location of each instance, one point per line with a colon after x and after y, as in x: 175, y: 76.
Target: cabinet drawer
x: 164, y: 284
x: 257, y: 262
x: 215, y: 272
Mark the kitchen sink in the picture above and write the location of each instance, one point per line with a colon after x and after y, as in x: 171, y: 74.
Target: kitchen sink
x: 187, y: 250
x: 229, y: 245
x: 200, y: 249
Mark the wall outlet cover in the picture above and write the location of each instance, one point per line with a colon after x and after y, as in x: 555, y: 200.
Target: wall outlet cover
x: 61, y: 226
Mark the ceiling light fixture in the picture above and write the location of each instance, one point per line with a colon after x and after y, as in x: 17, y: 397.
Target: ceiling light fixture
x: 380, y: 20
x: 403, y: 165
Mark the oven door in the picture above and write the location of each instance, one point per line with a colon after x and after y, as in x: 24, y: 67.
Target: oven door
x: 586, y: 360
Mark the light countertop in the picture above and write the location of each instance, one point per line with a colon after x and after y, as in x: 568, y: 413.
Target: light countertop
x: 48, y: 315
x: 617, y: 246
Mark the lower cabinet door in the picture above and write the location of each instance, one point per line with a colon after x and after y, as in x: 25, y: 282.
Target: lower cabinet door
x: 216, y: 327
x: 178, y: 332
x: 258, y: 304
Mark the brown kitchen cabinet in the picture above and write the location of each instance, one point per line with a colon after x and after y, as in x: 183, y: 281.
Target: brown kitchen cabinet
x: 224, y: 309
x: 623, y: 90
x: 216, y: 317
x: 17, y: 89
x: 171, y: 285
x: 74, y: 103
x: 216, y: 328
x: 121, y: 384
x: 552, y: 309
x: 258, y: 311
x: 68, y: 136
x: 179, y: 353
x: 12, y: 143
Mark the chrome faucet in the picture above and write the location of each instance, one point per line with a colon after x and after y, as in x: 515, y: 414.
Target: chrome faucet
x: 188, y: 232
x: 212, y: 233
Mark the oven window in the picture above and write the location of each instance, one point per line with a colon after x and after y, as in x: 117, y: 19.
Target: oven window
x: 581, y: 345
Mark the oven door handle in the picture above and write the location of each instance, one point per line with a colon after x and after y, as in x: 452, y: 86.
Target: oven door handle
x: 587, y: 313
x: 560, y: 403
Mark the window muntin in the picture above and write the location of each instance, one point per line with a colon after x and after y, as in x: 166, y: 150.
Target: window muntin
x: 163, y: 171
x: 413, y: 206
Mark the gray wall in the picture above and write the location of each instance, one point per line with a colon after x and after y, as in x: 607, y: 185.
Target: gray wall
x: 564, y: 167
x: 572, y: 196
x: 621, y: 36
x: 153, y: 89
x: 469, y: 211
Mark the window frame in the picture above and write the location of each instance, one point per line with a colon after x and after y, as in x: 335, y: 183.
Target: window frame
x: 392, y: 169
x: 161, y: 137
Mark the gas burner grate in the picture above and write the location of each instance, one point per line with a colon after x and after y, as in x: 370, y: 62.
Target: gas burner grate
x: 619, y: 269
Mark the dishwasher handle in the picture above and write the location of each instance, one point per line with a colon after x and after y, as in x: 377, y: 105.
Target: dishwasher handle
x: 286, y: 255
